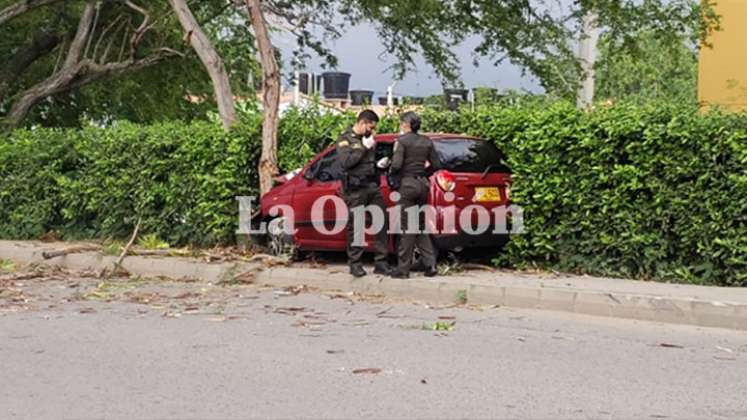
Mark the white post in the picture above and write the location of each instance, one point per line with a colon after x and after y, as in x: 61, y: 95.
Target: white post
x: 390, y: 95
x: 587, y: 54
x: 296, y: 88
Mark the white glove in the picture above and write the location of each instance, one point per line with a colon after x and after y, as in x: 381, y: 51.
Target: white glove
x: 369, y: 142
x: 383, y: 163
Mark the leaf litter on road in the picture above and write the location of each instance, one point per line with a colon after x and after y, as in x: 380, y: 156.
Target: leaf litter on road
x: 290, y: 310
x: 364, y: 371
x: 671, y: 346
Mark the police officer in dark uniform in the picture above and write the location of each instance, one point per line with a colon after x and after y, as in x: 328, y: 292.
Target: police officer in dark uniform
x: 356, y: 151
x: 414, y: 159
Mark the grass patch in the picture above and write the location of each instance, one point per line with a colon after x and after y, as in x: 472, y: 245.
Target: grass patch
x: 113, y: 248
x: 440, y: 326
x: 7, y: 266
x: 461, y: 297
x: 152, y: 241
x: 108, y: 290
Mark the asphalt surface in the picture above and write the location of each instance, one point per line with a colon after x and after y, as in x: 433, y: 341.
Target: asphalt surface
x: 81, y: 348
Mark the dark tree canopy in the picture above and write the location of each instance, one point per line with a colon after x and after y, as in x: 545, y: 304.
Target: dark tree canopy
x: 34, y: 45
x: 538, y: 35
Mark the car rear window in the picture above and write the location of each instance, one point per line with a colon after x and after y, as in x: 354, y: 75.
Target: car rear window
x: 470, y: 155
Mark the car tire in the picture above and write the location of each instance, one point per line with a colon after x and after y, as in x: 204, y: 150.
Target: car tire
x: 280, y: 242
x: 417, y: 262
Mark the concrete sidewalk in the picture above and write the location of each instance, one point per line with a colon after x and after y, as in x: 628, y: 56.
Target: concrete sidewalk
x: 659, y: 302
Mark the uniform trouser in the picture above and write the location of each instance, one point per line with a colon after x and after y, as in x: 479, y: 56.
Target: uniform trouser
x: 413, y: 194
x: 369, y: 195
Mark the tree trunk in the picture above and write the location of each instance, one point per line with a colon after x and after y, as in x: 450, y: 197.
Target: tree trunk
x: 587, y: 53
x: 270, y: 97
x: 210, y: 59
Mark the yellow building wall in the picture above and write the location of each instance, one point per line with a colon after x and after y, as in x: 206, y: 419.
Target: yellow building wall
x: 722, y: 73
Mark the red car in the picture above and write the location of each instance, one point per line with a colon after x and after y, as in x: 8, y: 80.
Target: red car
x: 474, y: 174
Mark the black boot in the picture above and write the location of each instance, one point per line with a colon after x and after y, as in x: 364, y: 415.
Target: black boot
x: 382, y: 268
x: 431, y: 272
x: 418, y: 265
x: 357, y: 271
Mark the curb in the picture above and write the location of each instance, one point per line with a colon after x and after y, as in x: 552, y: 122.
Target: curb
x: 481, y: 290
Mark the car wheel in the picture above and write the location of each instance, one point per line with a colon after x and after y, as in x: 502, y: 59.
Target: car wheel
x: 417, y: 260
x: 280, y: 241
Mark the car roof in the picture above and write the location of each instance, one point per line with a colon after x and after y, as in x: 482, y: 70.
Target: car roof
x: 391, y: 137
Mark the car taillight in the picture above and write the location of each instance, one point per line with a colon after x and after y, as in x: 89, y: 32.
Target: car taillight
x: 446, y: 181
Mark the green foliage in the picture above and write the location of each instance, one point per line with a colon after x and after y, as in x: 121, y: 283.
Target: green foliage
x: 651, y: 191
x: 461, y: 297
x: 153, y: 93
x: 113, y: 248
x: 95, y: 182
x: 151, y: 241
x: 7, y: 266
x: 303, y: 132
x: 485, y: 95
x: 655, y: 70
x: 440, y: 326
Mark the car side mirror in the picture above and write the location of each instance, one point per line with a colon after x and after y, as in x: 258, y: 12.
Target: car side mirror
x: 308, y: 175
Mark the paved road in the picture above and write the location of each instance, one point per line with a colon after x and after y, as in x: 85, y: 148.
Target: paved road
x: 77, y: 348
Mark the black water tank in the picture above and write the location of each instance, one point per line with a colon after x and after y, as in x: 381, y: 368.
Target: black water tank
x: 336, y: 85
x: 383, y: 101
x: 361, y: 97
x: 303, y: 83
x: 454, y: 97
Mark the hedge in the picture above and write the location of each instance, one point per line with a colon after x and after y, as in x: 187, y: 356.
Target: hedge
x: 655, y: 191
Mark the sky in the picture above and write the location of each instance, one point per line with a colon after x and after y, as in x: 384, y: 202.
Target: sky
x: 358, y: 52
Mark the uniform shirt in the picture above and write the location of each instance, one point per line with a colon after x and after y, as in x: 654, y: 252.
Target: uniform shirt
x: 354, y: 158
x: 411, y: 151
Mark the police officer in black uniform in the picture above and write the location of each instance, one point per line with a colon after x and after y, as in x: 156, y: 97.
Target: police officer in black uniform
x: 356, y: 151
x: 414, y: 159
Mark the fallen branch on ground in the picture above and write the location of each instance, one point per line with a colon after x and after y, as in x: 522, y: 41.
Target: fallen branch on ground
x: 72, y: 250
x: 118, y: 263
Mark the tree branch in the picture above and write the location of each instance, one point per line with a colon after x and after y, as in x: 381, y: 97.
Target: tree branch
x: 81, y: 35
x: 22, y: 7
x: 141, y: 30
x: 211, y: 60
x: 103, y: 35
x: 80, y: 74
x: 93, y: 29
x: 14, y: 68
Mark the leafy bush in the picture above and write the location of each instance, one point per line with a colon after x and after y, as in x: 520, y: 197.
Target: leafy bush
x: 654, y: 191
x: 180, y: 179
x: 657, y: 191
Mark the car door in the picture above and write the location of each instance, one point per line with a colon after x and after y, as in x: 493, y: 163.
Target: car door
x: 321, y: 181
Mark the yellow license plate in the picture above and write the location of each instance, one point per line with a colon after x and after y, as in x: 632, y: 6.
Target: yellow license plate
x: 487, y: 194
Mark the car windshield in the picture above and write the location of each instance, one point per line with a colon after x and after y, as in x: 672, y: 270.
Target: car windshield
x: 470, y: 155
